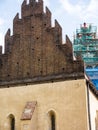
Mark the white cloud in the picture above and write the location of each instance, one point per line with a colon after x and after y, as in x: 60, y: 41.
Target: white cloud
x: 69, y: 7
x: 81, y: 9
x: 19, y: 1
x: 47, y: 2
x: 92, y: 8
x: 1, y: 33
x: 1, y: 21
x: 1, y: 39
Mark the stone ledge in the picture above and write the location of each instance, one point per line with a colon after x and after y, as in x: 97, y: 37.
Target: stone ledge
x: 41, y: 79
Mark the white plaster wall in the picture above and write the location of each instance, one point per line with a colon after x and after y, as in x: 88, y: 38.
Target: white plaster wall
x: 93, y: 108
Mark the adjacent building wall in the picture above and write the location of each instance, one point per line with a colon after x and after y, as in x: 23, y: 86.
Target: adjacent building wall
x: 93, y: 101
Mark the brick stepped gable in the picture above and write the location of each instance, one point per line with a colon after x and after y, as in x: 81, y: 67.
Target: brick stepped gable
x: 35, y: 49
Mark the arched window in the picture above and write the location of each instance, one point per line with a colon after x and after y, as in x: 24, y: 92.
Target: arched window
x: 52, y: 120
x: 11, y: 122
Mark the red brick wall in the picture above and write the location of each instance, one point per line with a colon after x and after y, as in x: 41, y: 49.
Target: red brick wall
x: 35, y: 48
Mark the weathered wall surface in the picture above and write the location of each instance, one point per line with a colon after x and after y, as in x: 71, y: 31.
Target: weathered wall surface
x: 67, y: 99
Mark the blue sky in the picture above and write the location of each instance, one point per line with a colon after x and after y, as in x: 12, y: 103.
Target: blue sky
x: 69, y: 13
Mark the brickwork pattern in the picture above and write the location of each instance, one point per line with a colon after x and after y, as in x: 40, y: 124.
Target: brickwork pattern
x: 35, y: 48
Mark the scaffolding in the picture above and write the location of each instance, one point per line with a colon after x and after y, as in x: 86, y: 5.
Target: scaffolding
x: 85, y: 44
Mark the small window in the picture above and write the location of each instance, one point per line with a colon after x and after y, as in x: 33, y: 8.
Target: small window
x: 38, y: 59
x: 37, y: 38
x: 28, y: 73
x: 41, y: 71
x: 12, y: 123
x: 63, y: 69
x: 8, y: 75
x: 52, y: 120
x: 11, y: 119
